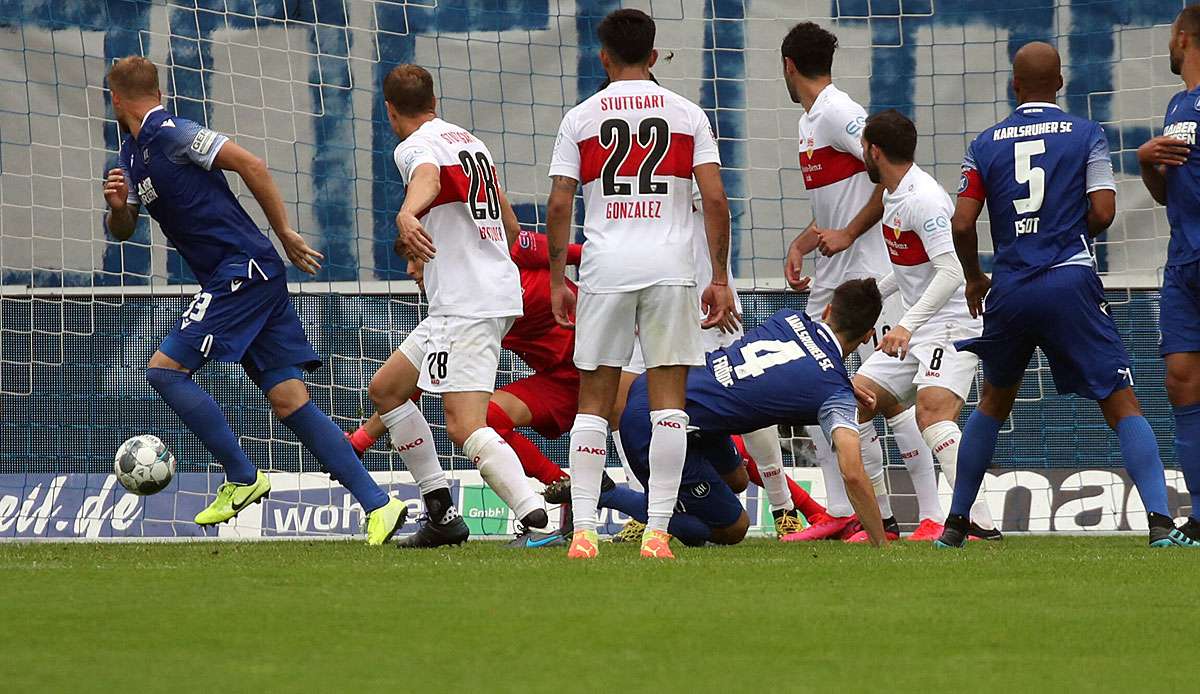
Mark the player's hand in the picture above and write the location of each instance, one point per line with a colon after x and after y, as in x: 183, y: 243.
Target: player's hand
x: 792, y: 266
x: 416, y: 242
x: 895, y: 342
x: 299, y: 252
x: 116, y: 190
x: 416, y: 270
x: 975, y: 291
x: 720, y: 309
x: 562, y: 303
x: 833, y: 241
x: 864, y: 396
x: 1163, y: 150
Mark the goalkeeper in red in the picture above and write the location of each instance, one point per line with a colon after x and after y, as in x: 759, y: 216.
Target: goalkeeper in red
x: 1048, y: 182
x: 242, y: 313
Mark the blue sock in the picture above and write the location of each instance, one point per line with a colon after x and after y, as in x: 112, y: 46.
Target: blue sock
x: 1139, y: 449
x: 975, y: 451
x: 201, y: 414
x: 1187, y: 450
x: 686, y: 528
x: 328, y: 443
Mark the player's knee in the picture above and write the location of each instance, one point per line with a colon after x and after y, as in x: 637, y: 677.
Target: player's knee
x: 732, y: 534
x: 382, y: 394
x: 498, y: 419
x: 1183, y: 383
x: 160, y: 379
x: 459, y: 428
x: 737, y: 479
x: 287, y: 397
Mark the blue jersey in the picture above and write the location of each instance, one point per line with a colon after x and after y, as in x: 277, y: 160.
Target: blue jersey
x: 1183, y: 182
x: 789, y: 370
x: 168, y: 168
x: 1035, y: 169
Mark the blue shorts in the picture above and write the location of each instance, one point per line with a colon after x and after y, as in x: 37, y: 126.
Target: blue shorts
x: 1063, y: 311
x: 702, y: 491
x: 247, y: 320
x: 1179, y: 309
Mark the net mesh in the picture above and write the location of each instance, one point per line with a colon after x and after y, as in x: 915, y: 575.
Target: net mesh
x: 297, y: 82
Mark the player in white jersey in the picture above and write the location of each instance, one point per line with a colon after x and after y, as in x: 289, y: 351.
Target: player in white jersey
x: 456, y: 220
x: 635, y: 147
x: 917, y: 360
x: 831, y: 161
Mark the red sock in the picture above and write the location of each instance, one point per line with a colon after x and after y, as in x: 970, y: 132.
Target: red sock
x: 361, y: 440
x: 534, y: 462
x: 800, y: 498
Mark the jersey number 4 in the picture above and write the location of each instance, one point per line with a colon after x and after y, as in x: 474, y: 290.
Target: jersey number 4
x: 760, y: 355
x: 653, y: 134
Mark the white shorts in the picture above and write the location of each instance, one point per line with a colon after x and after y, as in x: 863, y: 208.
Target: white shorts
x: 931, y: 361
x: 455, y: 354
x: 711, y: 339
x: 660, y: 318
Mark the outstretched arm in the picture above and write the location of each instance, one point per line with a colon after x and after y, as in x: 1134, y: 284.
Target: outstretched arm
x: 253, y: 172
x: 858, y: 486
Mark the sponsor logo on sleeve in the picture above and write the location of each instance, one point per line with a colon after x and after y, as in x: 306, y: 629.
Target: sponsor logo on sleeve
x: 203, y: 142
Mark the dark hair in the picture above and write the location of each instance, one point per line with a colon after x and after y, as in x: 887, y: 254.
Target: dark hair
x: 811, y: 49
x: 133, y: 76
x: 894, y: 133
x: 409, y: 89
x: 628, y: 36
x: 1189, y: 20
x: 856, y: 306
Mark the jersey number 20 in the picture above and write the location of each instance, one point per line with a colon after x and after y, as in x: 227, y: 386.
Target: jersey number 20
x: 653, y: 134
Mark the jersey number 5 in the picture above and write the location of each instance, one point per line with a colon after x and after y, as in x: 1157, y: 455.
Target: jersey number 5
x: 1026, y: 172
x: 653, y: 134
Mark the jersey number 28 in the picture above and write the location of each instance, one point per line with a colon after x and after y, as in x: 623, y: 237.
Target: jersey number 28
x: 480, y: 174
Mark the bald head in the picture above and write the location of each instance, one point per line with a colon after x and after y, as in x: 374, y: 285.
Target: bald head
x: 1037, y: 72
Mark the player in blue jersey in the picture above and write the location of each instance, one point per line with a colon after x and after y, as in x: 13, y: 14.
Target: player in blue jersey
x: 1048, y: 183
x: 1170, y: 167
x: 790, y: 370
x: 242, y: 313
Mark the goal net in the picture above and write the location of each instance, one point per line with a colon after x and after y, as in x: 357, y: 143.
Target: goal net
x: 298, y: 83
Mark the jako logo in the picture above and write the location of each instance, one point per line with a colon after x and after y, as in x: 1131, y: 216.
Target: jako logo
x: 593, y: 451
x: 944, y: 445
x: 410, y: 445
x: 669, y: 423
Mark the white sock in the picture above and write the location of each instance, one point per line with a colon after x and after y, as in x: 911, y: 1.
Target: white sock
x: 836, y: 501
x: 412, y: 438
x: 763, y: 446
x: 589, y: 452
x: 501, y: 469
x: 668, y: 448
x: 631, y: 479
x: 872, y: 457
x: 943, y: 438
x: 919, y: 461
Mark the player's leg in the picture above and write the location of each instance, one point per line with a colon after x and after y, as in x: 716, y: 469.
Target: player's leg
x: 937, y: 416
x: 1179, y: 321
x: 800, y: 500
x: 369, y: 431
x: 1139, y: 451
x: 667, y: 387
x: 506, y: 411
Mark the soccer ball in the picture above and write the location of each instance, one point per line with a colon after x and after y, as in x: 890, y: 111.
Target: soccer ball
x: 144, y: 465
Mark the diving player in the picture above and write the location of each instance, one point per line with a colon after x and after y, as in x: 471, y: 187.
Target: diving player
x: 789, y: 370
x: 242, y: 313
x: 1048, y: 182
x: 1171, y: 171
x: 916, y: 361
x: 846, y: 210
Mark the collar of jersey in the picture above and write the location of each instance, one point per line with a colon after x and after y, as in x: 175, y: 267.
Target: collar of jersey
x: 824, y: 95
x: 1038, y: 104
x: 832, y: 338
x: 147, y: 116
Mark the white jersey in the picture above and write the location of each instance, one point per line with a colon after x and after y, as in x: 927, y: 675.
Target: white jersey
x: 472, y: 274
x: 916, y: 227
x: 633, y: 147
x: 831, y: 160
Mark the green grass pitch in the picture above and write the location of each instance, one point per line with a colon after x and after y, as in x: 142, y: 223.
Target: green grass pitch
x: 1029, y: 614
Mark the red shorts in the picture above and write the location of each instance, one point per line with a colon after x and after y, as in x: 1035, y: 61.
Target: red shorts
x: 552, y: 397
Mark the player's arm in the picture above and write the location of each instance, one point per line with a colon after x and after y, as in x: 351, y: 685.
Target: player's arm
x: 1154, y: 156
x: 532, y: 252
x: 717, y: 299
x: 424, y: 184
x: 253, y: 172
x: 833, y: 241
x: 1101, y: 185
x: 838, y: 417
x: 947, y: 278
x: 559, y: 208
x: 971, y: 194
x: 804, y: 243
x: 1102, y: 210
x: 122, y: 215
x: 512, y: 227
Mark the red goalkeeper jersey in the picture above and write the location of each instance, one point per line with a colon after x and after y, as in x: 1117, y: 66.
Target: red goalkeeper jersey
x: 535, y: 337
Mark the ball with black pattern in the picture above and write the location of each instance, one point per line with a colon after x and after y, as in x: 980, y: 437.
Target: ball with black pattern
x: 144, y: 465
